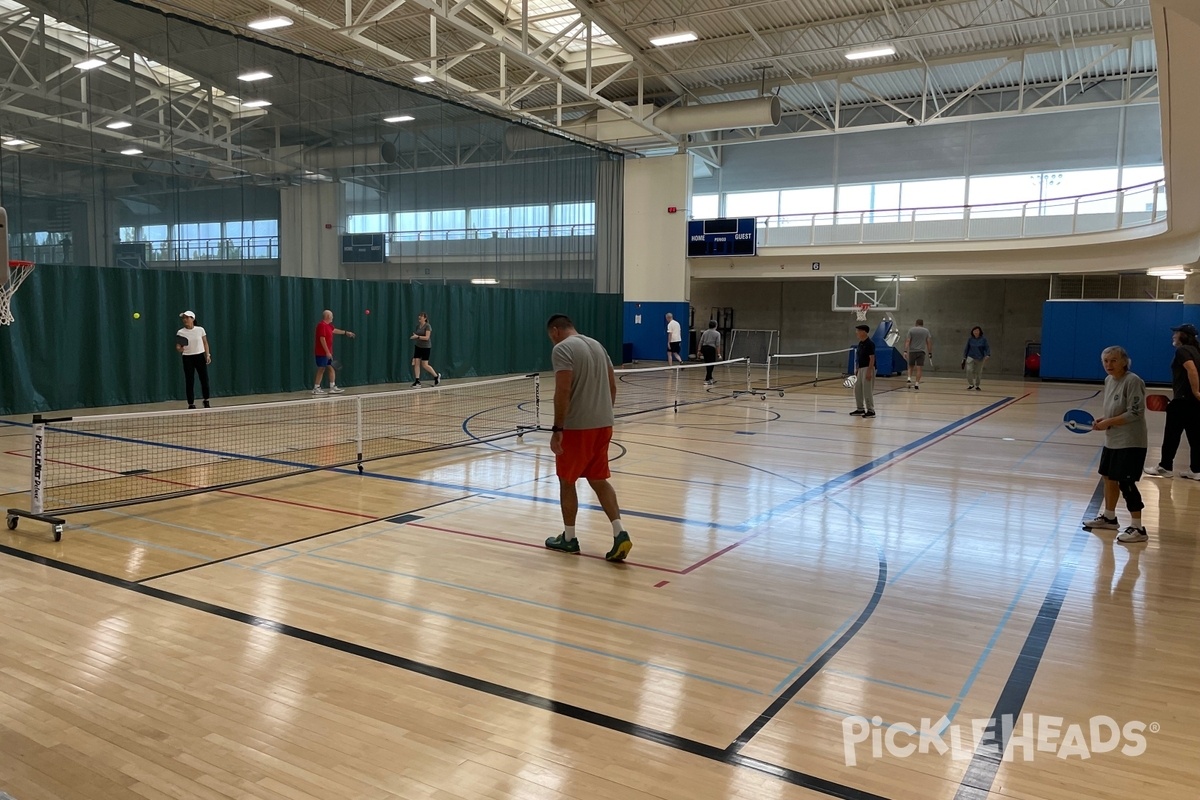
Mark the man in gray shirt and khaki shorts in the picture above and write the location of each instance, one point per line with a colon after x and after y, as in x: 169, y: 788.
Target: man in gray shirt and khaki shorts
x: 917, y: 347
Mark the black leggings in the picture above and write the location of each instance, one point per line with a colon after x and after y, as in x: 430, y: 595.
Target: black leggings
x: 1183, y: 416
x: 191, y: 366
x: 1133, y: 497
x: 710, y: 355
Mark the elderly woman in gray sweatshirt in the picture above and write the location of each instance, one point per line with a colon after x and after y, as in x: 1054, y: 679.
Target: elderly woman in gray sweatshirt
x: 1125, y: 443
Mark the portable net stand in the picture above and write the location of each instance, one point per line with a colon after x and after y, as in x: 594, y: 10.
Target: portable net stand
x: 15, y: 274
x: 794, y: 370
x: 755, y: 346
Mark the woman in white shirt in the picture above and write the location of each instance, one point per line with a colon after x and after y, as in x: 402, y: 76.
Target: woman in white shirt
x: 192, y: 343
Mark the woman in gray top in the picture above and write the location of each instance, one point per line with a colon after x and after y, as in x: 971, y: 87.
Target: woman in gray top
x: 710, y: 349
x: 1125, y: 443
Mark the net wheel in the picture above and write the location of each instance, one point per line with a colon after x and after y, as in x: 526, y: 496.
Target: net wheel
x: 781, y: 392
x: 12, y: 522
x: 58, y: 531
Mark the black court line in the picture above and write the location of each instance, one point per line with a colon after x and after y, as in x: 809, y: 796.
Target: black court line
x: 980, y: 775
x: 788, y: 694
x: 675, y: 742
x: 411, y: 515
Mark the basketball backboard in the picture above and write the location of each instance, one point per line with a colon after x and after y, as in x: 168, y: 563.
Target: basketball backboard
x: 850, y: 292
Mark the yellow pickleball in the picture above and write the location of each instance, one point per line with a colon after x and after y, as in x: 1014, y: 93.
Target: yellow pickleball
x: 136, y: 315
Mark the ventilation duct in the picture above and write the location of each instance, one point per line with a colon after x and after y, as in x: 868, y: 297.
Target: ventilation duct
x: 757, y: 113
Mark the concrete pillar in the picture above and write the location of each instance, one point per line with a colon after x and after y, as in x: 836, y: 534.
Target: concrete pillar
x: 310, y: 222
x: 1191, y: 287
x: 657, y: 279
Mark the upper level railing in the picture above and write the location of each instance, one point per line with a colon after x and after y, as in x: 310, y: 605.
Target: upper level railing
x: 1113, y: 210
x: 500, y: 232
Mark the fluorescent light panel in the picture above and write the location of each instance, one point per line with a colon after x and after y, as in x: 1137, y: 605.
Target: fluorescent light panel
x: 258, y: 75
x: 118, y: 125
x: 399, y: 118
x: 424, y: 79
x: 485, y: 281
x: 874, y: 51
x: 674, y: 38
x: 14, y: 142
x: 131, y: 151
x: 903, y: 279
x: 256, y: 104
x: 91, y: 63
x: 269, y: 23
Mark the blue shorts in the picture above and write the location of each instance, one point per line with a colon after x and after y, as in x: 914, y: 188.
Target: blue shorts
x: 324, y: 361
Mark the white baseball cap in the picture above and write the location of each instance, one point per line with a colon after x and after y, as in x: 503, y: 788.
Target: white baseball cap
x: 188, y: 314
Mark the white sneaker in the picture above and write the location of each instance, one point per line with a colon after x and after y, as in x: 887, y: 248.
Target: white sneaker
x: 1131, y: 535
x: 1191, y: 476
x: 318, y: 390
x: 336, y: 390
x: 1159, y: 472
x: 1101, y: 522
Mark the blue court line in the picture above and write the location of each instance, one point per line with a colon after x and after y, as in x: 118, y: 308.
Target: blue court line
x: 151, y: 545
x: 551, y: 607
x: 892, y: 684
x: 226, y: 536
x: 849, y: 619
x: 1038, y: 446
x: 836, y: 712
x: 1008, y: 612
x: 501, y: 629
x: 834, y: 483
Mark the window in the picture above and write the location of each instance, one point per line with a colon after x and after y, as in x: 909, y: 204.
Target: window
x: 706, y: 206
x: 805, y: 201
x: 367, y: 223
x: 935, y: 200
x: 752, y: 204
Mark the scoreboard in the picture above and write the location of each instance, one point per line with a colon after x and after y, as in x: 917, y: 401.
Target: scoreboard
x: 722, y: 237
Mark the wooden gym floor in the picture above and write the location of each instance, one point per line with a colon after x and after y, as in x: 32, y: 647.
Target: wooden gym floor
x: 403, y: 634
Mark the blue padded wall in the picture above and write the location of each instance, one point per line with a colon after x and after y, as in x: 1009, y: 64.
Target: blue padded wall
x: 646, y: 328
x: 1075, y: 331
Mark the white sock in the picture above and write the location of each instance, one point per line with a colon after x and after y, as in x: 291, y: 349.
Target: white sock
x: 316, y: 386
x: 618, y: 528
x: 1137, y: 521
x: 333, y: 386
x: 1110, y: 513
x: 568, y: 532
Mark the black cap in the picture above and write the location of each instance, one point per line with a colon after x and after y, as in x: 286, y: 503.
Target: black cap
x: 1187, y: 328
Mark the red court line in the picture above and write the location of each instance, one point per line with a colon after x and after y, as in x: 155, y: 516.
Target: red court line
x: 533, y: 544
x: 193, y: 486
x: 860, y: 479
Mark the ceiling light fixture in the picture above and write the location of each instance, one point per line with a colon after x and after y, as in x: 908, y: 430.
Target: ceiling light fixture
x: 1168, y: 273
x: 674, y: 38
x: 131, y: 151
x: 874, y: 51
x: 119, y: 125
x: 904, y: 279
x: 14, y: 142
x: 424, y: 79
x: 485, y: 281
x: 91, y: 63
x: 256, y: 104
x: 400, y: 118
x: 259, y: 75
x: 269, y: 23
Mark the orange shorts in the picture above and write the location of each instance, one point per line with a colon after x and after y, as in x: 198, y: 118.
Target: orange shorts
x: 585, y: 455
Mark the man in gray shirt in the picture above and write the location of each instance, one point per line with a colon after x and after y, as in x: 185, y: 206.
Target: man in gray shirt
x: 709, y: 348
x: 585, y: 389
x: 917, y: 346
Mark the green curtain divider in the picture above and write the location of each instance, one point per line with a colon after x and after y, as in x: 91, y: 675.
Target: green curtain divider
x: 76, y: 344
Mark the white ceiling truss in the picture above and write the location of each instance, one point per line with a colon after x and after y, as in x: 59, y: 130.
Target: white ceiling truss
x: 559, y: 61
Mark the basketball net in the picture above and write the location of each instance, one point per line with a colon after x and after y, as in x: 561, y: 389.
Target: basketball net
x: 18, y: 271
x: 861, y: 311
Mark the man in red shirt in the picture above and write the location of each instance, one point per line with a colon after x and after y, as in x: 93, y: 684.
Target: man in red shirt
x: 324, y: 353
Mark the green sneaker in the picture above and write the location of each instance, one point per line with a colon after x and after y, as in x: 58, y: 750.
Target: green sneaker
x: 620, y: 549
x: 562, y: 543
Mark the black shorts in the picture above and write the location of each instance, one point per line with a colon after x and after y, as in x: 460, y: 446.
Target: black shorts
x: 421, y: 353
x: 1125, y: 464
x: 673, y: 347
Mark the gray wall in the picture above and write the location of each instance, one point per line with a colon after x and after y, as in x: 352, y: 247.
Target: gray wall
x: 1008, y: 309
x: 1096, y: 138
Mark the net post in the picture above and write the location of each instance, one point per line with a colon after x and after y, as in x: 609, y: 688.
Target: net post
x: 750, y: 376
x: 817, y: 371
x: 358, y: 434
x: 537, y: 401
x: 37, y: 502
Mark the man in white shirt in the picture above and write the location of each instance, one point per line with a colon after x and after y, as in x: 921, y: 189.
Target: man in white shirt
x: 674, y: 340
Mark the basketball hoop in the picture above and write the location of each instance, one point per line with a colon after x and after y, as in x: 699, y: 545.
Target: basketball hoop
x: 861, y: 311
x: 18, y: 271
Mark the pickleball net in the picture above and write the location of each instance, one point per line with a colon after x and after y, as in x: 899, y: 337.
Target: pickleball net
x: 91, y: 462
